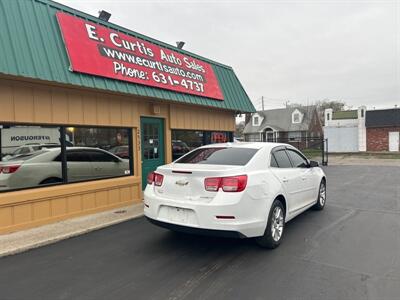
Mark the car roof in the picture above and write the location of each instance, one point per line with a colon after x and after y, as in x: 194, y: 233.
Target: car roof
x: 250, y: 145
x: 72, y: 148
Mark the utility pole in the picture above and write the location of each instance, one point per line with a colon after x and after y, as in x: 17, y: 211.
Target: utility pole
x: 262, y: 102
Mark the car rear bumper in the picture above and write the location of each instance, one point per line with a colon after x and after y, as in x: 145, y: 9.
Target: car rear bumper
x: 248, y: 217
x: 199, y: 231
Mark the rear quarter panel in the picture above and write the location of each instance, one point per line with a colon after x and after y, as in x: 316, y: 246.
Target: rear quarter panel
x: 262, y: 185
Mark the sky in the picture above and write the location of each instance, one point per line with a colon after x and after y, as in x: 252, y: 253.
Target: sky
x: 286, y: 51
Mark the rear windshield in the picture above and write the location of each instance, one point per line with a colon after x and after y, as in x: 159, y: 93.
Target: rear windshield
x: 24, y: 157
x: 219, y: 156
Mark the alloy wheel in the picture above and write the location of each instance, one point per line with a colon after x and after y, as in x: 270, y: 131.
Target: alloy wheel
x: 277, y: 224
x: 322, y: 194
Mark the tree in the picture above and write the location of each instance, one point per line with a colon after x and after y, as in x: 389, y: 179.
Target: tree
x: 336, y: 105
x: 239, y: 130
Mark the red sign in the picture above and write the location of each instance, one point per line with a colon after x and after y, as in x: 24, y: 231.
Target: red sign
x: 98, y: 50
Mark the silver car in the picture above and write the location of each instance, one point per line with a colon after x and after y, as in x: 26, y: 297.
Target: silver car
x: 28, y: 148
x: 44, y: 167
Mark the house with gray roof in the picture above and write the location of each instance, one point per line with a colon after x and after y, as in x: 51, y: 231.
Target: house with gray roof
x: 283, y: 125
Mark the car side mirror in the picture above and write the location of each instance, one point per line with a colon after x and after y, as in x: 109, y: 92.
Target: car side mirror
x: 313, y: 164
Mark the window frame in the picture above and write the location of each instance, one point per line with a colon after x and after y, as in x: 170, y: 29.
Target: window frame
x: 277, y: 149
x: 256, y: 121
x: 64, y: 173
x: 272, y: 157
x: 286, y: 149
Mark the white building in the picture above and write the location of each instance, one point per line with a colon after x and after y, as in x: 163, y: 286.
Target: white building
x: 345, y: 130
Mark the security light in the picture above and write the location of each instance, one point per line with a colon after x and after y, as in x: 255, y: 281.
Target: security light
x: 103, y: 15
x: 180, y: 44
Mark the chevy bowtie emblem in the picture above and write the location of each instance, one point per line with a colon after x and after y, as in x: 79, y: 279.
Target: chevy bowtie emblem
x: 182, y: 182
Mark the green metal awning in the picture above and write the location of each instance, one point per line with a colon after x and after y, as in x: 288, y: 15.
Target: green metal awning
x: 31, y: 46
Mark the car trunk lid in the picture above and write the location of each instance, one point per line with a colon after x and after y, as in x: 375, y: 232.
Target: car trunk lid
x: 186, y: 181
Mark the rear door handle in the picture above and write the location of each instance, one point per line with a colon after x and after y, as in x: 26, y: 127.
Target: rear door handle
x: 285, y: 180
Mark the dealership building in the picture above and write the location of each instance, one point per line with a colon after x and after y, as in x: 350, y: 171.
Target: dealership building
x: 89, y: 108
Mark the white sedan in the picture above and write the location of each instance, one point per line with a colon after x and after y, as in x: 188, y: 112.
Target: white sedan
x: 235, y: 190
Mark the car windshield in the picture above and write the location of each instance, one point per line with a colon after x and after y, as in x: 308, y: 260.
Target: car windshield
x: 219, y: 156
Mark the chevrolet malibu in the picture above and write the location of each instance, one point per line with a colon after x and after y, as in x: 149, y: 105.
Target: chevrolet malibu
x: 241, y: 190
x: 44, y: 167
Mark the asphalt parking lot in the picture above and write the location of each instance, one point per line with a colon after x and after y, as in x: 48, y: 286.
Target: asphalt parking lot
x: 350, y: 250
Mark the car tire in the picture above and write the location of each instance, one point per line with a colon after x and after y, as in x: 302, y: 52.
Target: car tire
x: 321, y: 201
x: 275, y: 227
x: 51, y: 181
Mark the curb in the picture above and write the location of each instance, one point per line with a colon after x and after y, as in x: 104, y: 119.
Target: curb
x: 23, y: 246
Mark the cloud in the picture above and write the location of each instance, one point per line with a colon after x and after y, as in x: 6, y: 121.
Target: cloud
x: 285, y: 50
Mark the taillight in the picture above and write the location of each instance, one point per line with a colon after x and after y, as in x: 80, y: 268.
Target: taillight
x: 156, y: 178
x: 150, y: 178
x: 228, y: 184
x: 212, y: 184
x: 9, y: 169
x: 234, y: 184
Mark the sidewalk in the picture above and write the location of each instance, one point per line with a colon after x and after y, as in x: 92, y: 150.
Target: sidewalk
x: 21, y: 241
x: 343, y: 160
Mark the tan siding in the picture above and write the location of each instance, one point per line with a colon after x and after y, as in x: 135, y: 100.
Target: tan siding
x: 42, y: 103
x: 23, y: 104
x: 115, y: 112
x: 89, y: 201
x: 7, y: 103
x: 75, y: 108
x: 103, y: 111
x: 41, y: 210
x: 27, y: 102
x: 89, y: 109
x: 22, y: 213
x: 126, y: 115
x: 59, y: 107
x: 6, y: 217
x: 58, y: 207
x: 191, y: 117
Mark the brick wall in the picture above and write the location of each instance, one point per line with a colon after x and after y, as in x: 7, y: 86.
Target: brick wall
x: 378, y: 138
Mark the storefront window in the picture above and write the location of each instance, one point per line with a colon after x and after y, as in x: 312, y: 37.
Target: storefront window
x: 33, y: 156
x: 184, y: 141
x: 27, y: 156
x: 97, y: 153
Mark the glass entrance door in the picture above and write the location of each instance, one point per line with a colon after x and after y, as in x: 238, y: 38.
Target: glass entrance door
x: 153, y: 153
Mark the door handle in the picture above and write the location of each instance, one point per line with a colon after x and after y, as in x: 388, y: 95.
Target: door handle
x: 303, y: 178
x: 285, y: 180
